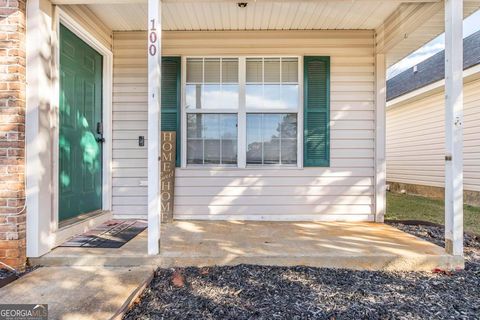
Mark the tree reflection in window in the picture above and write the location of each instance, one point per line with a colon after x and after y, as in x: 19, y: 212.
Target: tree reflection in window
x: 271, y: 138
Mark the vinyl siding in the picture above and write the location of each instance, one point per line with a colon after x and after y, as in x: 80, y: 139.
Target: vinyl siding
x: 343, y: 191
x: 416, y: 136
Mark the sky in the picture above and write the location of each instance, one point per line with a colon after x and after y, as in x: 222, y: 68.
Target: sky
x: 471, y: 24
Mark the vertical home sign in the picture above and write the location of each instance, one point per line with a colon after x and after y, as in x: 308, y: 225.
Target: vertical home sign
x: 167, y: 170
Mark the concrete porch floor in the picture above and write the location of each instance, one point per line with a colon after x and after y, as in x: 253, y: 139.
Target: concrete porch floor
x: 367, y: 246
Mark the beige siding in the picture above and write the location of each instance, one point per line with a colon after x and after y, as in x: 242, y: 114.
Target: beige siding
x: 415, y: 140
x: 85, y: 17
x: 344, y: 191
x: 129, y: 122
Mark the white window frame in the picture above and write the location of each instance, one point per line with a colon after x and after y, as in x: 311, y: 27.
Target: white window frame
x: 242, y: 115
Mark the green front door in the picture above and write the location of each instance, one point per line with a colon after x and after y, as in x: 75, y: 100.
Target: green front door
x: 80, y: 134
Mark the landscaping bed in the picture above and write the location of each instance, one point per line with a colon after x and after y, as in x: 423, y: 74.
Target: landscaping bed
x: 259, y: 292
x: 7, y: 276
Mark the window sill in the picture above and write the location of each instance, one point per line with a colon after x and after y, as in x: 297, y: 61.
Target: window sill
x: 256, y: 168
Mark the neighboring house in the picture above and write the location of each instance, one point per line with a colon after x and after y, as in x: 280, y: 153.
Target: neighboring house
x: 416, y: 130
x: 278, y: 109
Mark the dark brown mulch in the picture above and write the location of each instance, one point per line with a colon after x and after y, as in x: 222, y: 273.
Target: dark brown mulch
x: 436, y: 234
x: 7, y: 276
x: 258, y: 292
x: 4, y: 273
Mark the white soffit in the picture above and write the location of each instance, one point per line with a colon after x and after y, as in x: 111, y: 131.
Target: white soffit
x: 259, y: 15
x: 425, y: 33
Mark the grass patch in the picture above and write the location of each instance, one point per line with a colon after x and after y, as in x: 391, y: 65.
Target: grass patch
x: 408, y: 207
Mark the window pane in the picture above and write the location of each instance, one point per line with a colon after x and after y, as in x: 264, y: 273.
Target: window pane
x: 228, y: 134
x: 194, y: 139
x: 272, y: 70
x: 272, y: 96
x: 271, y: 151
x: 254, y: 95
x: 195, y: 151
x: 289, y: 126
x: 212, y: 96
x: 254, y: 138
x: 193, y: 99
x: 211, y: 126
x: 254, y: 70
x: 195, y: 70
x: 194, y: 126
x: 272, y: 83
x: 290, y: 95
x: 271, y: 126
x: 228, y: 123
x: 212, y: 151
x: 229, y: 99
x: 289, y: 70
x: 212, y: 83
x: 211, y: 138
x: 229, y: 151
x: 272, y: 139
x: 230, y: 70
x: 212, y: 70
x: 289, y: 151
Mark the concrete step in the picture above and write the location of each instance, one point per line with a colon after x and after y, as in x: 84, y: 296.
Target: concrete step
x: 78, y: 293
x: 420, y: 262
x: 95, y: 260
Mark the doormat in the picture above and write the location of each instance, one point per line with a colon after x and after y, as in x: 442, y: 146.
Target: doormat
x: 111, y: 234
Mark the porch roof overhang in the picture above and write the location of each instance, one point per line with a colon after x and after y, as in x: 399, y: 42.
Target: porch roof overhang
x: 402, y: 26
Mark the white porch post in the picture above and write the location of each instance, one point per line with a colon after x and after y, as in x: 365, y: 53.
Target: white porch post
x: 454, y: 127
x: 380, y: 165
x: 154, y: 115
x: 38, y: 128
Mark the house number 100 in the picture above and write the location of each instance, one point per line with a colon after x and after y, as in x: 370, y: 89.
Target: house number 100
x: 152, y: 49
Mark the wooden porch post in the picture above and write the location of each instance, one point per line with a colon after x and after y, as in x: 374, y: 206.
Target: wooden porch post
x: 454, y: 127
x: 154, y: 115
x: 380, y: 165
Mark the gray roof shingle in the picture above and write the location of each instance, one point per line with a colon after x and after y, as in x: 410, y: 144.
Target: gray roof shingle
x: 432, y: 69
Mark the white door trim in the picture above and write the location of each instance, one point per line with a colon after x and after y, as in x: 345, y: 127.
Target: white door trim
x: 61, y: 17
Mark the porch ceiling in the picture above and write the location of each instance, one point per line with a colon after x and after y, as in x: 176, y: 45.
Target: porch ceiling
x: 412, y: 22
x: 425, y: 31
x: 258, y: 15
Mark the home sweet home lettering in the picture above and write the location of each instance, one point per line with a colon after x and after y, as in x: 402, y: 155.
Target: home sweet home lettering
x: 167, y: 170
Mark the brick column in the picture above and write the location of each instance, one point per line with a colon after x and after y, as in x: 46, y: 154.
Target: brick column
x: 12, y: 133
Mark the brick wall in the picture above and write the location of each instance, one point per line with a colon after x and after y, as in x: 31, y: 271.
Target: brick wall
x: 12, y: 133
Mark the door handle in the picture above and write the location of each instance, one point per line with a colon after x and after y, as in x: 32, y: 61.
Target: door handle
x: 100, y: 139
x: 100, y: 128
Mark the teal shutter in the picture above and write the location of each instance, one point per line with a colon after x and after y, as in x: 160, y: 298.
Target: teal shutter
x: 171, y: 98
x: 316, y: 148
